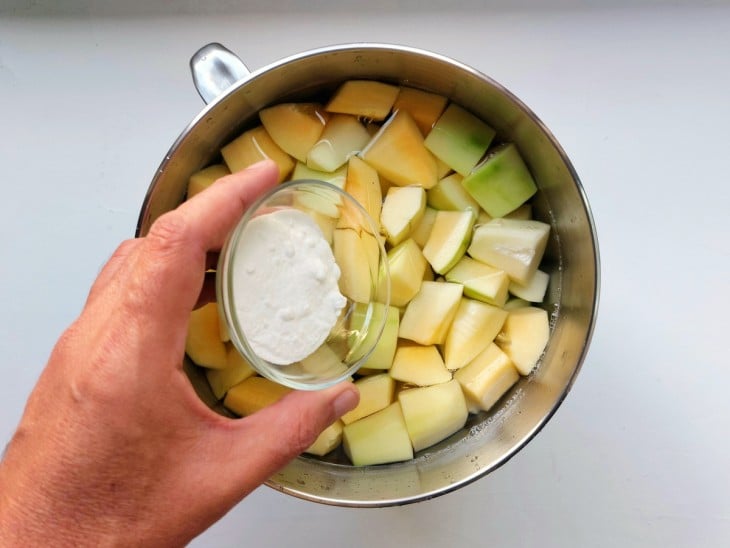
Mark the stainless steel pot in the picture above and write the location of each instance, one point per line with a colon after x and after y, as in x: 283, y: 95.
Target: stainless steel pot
x: 234, y: 97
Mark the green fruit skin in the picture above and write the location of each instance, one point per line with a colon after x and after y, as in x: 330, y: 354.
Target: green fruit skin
x: 502, y: 183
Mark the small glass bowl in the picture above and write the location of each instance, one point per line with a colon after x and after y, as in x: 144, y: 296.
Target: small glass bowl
x: 359, y: 325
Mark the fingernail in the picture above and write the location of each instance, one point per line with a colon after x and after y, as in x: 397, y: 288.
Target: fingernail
x: 346, y: 401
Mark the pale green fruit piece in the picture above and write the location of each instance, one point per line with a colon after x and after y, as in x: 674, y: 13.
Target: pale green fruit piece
x: 475, y: 325
x: 449, y: 239
x: 328, y: 440
x: 419, y: 365
x: 254, y: 146
x: 323, y: 363
x: 459, y: 139
x: 336, y: 178
x: 325, y: 223
x: 450, y: 195
x: 487, y: 377
x: 402, y: 211
x: 502, y: 182
x: 203, y: 343
x: 378, y: 438
x: 512, y: 245
x: 381, y: 357
x: 342, y: 137
x: 480, y: 281
x: 423, y: 229
x: 294, y: 127
x: 429, y: 314
x: 376, y: 393
x: 200, y: 180
x: 365, y: 98
x: 237, y: 369
x: 433, y: 413
x: 319, y: 198
x: 407, y: 267
x: 513, y: 303
x: 534, y: 290
x: 524, y: 336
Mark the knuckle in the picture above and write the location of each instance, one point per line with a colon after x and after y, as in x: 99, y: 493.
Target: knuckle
x: 169, y: 232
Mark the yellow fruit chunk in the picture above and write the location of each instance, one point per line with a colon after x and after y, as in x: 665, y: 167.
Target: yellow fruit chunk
x: 253, y: 394
x: 203, y: 342
x: 433, y: 413
x: 397, y: 152
x: 363, y: 184
x: 202, y: 179
x: 376, y: 393
x: 424, y: 107
x: 524, y: 337
x: 487, y: 377
x: 254, y: 146
x: 449, y: 239
x: 353, y: 255
x: 366, y: 98
x: 419, y: 365
x: 475, y: 325
x: 429, y: 314
x: 237, y: 369
x: 295, y: 127
x: 422, y: 231
x: 378, y: 438
x: 327, y: 441
x: 481, y: 281
x: 402, y: 211
x: 342, y: 137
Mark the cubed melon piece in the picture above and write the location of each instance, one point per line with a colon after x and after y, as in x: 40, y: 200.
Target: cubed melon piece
x: 237, y: 369
x: 475, y: 325
x: 379, y: 438
x: 295, y: 127
x: 367, y: 98
x: 376, y: 393
x: 449, y: 194
x: 502, y: 182
x: 349, y: 249
x: 487, y: 377
x: 343, y: 136
x: 515, y: 302
x: 203, y: 343
x: 397, y: 152
x: 534, y: 290
x: 524, y: 336
x: 381, y: 357
x: 429, y: 314
x: 524, y: 212
x: 481, y: 281
x: 253, y: 394
x: 363, y: 185
x: 327, y: 441
x: 512, y: 245
x: 407, y: 267
x: 459, y: 139
x: 449, y: 239
x: 323, y: 363
x: 419, y: 365
x: 433, y: 413
x: 424, y: 107
x: 336, y: 178
x: 200, y: 180
x: 423, y: 229
x: 254, y: 146
x: 402, y: 211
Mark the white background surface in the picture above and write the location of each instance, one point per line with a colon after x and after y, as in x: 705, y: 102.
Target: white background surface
x: 638, y: 454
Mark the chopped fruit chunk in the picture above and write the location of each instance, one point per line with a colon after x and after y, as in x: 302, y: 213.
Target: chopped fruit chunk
x: 459, y: 139
x: 381, y: 358
x: 295, y: 127
x: 253, y: 394
x: 524, y: 337
x: 481, y: 281
x: 502, y: 182
x: 378, y: 438
x: 450, y: 195
x: 328, y: 440
x: 429, y: 315
x: 376, y: 393
x: 203, y: 342
x: 403, y: 209
x: 449, y: 239
x: 397, y: 152
x: 237, y: 369
x: 200, y: 180
x: 343, y: 136
x: 419, y: 365
x: 487, y: 377
x: 424, y: 107
x: 254, y: 146
x: 475, y: 325
x: 407, y: 267
x: 534, y: 290
x: 366, y: 98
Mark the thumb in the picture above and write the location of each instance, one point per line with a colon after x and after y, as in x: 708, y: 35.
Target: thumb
x: 267, y: 440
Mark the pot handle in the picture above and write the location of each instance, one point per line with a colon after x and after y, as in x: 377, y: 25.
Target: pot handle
x: 215, y: 69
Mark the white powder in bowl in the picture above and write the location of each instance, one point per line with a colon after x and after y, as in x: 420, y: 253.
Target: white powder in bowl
x: 284, y: 283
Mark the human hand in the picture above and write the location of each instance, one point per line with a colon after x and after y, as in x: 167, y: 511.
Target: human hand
x: 114, y: 446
